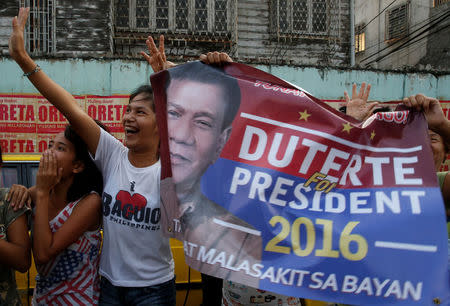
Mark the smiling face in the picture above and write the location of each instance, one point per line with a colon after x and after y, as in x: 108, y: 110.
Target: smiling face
x: 438, y: 148
x: 195, y: 114
x: 139, y: 122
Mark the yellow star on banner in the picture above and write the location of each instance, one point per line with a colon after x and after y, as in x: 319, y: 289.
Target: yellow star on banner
x: 347, y: 127
x: 304, y: 115
x: 372, y: 135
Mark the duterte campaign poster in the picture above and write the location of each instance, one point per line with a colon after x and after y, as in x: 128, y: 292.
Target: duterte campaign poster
x: 270, y: 187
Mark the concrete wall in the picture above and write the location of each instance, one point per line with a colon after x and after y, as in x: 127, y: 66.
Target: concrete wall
x: 421, y: 48
x: 107, y: 77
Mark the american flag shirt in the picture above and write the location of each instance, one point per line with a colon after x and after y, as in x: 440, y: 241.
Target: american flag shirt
x: 71, y: 278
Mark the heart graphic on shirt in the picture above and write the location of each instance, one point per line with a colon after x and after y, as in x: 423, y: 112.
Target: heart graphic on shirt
x: 136, y: 201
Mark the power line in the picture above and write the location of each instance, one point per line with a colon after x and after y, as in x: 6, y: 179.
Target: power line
x: 375, y: 17
x: 409, y: 41
x: 420, y: 23
x: 430, y: 25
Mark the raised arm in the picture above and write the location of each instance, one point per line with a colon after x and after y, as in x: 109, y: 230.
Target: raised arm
x: 357, y: 106
x: 84, y: 125
x: 156, y: 57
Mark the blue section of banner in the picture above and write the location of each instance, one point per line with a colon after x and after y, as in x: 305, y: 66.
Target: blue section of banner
x: 332, y: 243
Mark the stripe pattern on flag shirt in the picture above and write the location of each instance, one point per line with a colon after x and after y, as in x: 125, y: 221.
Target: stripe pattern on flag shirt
x: 71, y: 278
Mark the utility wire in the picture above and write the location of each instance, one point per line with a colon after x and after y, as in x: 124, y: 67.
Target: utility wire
x: 430, y: 24
x: 408, y: 42
x: 420, y: 23
x: 360, y: 30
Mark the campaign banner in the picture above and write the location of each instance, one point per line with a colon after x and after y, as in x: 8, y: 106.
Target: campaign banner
x: 270, y: 187
x: 28, y: 122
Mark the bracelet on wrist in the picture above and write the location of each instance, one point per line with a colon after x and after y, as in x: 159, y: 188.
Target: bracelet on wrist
x: 27, y: 74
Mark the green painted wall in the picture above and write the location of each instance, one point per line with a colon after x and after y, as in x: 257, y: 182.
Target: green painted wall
x: 107, y: 77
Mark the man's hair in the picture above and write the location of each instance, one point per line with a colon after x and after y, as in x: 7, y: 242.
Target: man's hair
x: 210, y: 75
x: 147, y: 92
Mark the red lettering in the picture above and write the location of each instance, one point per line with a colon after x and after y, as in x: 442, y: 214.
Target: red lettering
x: 30, y: 146
x: 12, y: 145
x: 4, y: 145
x: 53, y: 114
x: 3, y: 112
x: 117, y: 107
x: 21, y: 142
x: 12, y: 112
x: 92, y: 111
x: 42, y: 113
x: 42, y: 146
x: 29, y: 116
x: 110, y: 110
x: 101, y: 113
x: 21, y: 111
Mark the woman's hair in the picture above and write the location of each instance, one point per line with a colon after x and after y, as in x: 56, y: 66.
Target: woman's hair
x: 147, y: 92
x: 90, y: 179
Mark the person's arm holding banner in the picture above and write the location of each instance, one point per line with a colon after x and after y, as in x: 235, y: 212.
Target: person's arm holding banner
x: 439, y: 124
x: 433, y: 113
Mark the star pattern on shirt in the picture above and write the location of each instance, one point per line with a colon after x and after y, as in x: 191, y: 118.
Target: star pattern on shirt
x: 372, y: 135
x: 347, y: 127
x: 304, y: 115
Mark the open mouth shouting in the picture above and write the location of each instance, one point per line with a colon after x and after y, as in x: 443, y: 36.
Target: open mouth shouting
x: 129, y: 130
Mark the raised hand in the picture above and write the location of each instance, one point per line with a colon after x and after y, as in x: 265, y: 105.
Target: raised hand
x: 48, y: 174
x: 430, y: 107
x: 216, y: 58
x: 16, y: 40
x: 18, y: 196
x: 357, y: 106
x: 157, y: 56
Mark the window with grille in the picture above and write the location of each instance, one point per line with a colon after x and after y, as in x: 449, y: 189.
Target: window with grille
x: 439, y: 2
x: 300, y: 17
x: 397, y: 23
x: 360, y: 39
x: 173, y: 16
x: 40, y: 31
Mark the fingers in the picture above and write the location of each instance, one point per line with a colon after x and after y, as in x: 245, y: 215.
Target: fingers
x: 156, y: 57
x: 216, y: 58
x: 354, y: 91
x: 361, y: 90
x: 372, y: 106
x: 161, y: 48
x: 23, y: 16
x: 52, y: 167
x: 365, y: 95
x: 18, y: 195
x: 347, y: 98
x: 151, y: 45
x: 225, y: 58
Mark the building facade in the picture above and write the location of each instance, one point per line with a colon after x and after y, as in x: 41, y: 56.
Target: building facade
x: 299, y: 32
x: 399, y: 34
